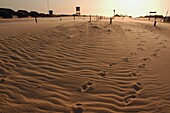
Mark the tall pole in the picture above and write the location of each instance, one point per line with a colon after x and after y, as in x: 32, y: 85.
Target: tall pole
x: 114, y: 13
x: 48, y: 5
x: 90, y: 18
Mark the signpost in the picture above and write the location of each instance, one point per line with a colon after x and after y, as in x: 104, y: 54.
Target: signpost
x: 153, y: 12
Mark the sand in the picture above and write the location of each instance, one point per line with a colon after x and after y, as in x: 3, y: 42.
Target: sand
x: 73, y: 66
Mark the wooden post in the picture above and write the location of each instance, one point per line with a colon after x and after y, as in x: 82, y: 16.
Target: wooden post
x: 90, y: 18
x: 110, y: 20
x: 155, y: 23
x: 36, y: 19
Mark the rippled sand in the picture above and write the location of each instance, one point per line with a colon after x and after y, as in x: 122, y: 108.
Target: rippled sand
x: 72, y: 66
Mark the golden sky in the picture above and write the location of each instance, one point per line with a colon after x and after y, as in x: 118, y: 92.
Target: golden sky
x: 96, y: 7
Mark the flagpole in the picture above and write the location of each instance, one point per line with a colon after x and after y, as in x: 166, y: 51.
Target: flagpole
x: 48, y: 5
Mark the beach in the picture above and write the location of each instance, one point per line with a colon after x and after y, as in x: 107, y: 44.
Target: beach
x: 77, y: 66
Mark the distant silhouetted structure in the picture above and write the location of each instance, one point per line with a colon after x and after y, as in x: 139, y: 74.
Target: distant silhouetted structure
x: 7, y: 13
x: 22, y: 13
x: 51, y: 12
x: 78, y: 11
x: 34, y: 14
x: 167, y: 19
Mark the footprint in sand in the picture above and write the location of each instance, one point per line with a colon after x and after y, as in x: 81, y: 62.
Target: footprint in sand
x: 164, y: 46
x: 134, y: 74
x: 137, y: 87
x: 143, y: 41
x: 141, y: 49
x: 157, y: 38
x: 140, y: 66
x: 140, y: 44
x: 109, y: 30
x: 157, y: 50
x: 2, y: 80
x: 160, y: 43
x: 70, y: 37
x: 125, y: 59
x: 82, y: 31
x: 112, y: 64
x: 145, y: 59
x: 103, y: 73
x: 128, y: 30
x: 133, y: 53
x: 128, y: 100
x: 154, y: 54
x: 165, y: 40
x: 77, y: 108
x: 87, y: 86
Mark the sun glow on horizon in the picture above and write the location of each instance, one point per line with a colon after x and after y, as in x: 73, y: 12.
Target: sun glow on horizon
x: 93, y: 7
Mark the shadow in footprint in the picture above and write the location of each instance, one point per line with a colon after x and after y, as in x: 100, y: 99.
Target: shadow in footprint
x: 160, y: 43
x: 145, y: 59
x: 143, y: 41
x: 133, y: 53
x: 128, y: 30
x: 77, y: 108
x: 165, y: 40
x: 140, y: 44
x: 137, y: 86
x: 112, y: 64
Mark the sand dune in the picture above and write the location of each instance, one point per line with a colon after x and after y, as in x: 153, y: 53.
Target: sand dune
x: 79, y: 67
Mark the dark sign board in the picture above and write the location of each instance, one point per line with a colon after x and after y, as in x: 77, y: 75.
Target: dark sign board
x: 77, y: 8
x: 153, y: 12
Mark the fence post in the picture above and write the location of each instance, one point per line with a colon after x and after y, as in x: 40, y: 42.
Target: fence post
x: 110, y: 20
x: 155, y: 23
x: 90, y: 18
x: 36, y: 19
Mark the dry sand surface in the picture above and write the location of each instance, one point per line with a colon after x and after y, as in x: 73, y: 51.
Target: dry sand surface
x: 72, y: 66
